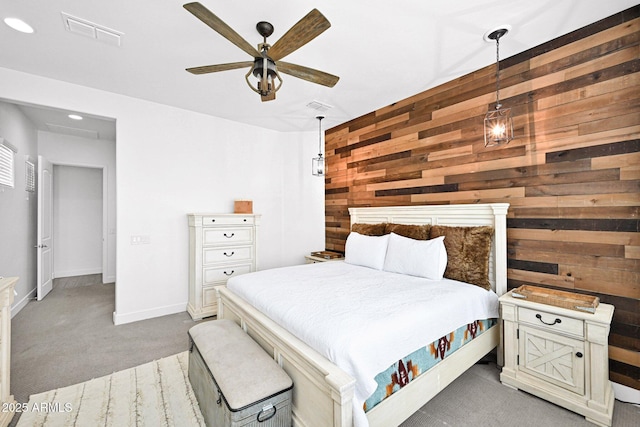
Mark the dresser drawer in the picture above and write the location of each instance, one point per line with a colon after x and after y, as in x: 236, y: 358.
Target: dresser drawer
x: 552, y: 322
x: 227, y: 254
x: 227, y: 236
x: 227, y: 220
x: 222, y: 274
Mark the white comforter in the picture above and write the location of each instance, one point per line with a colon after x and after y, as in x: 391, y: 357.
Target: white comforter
x: 362, y: 319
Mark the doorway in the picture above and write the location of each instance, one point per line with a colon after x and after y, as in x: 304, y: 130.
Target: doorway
x: 77, y: 221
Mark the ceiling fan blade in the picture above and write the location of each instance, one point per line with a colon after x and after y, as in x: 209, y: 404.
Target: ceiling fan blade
x: 206, y: 16
x: 305, y: 30
x: 219, y: 67
x: 309, y: 74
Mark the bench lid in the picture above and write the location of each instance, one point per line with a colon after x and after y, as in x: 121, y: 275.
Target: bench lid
x: 243, y: 371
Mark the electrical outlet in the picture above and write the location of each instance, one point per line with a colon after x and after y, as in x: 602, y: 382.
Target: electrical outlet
x: 140, y: 240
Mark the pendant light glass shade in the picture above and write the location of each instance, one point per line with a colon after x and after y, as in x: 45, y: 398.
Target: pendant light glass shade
x: 498, y: 127
x: 317, y: 163
x: 498, y: 124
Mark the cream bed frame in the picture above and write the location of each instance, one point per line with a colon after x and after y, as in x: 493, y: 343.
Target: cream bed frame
x: 322, y: 392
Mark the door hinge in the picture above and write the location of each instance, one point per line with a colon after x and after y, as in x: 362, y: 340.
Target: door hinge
x: 518, y: 360
x: 517, y: 334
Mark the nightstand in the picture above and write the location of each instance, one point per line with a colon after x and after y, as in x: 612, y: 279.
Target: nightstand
x: 559, y: 354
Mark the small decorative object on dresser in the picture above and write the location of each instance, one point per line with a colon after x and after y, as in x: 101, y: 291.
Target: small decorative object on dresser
x: 220, y: 246
x: 322, y: 256
x: 243, y: 206
x: 558, y: 351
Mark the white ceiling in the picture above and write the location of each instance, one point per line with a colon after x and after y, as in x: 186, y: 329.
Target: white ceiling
x: 383, y: 50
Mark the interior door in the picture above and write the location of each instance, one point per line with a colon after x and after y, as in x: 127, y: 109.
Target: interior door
x: 45, y: 227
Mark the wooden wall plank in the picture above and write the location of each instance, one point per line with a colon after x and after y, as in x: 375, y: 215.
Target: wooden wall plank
x: 571, y: 176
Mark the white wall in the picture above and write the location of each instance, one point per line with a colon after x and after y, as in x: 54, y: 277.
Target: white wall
x: 101, y: 154
x: 18, y: 208
x: 172, y: 161
x: 77, y: 221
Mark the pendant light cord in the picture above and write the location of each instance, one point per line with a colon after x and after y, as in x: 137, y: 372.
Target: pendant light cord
x: 498, y: 73
x: 320, y: 135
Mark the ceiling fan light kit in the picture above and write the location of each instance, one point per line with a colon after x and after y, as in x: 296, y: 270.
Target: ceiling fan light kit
x: 266, y: 65
x: 498, y: 124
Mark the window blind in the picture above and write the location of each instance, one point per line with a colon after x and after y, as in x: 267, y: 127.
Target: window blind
x: 6, y: 166
x: 30, y: 176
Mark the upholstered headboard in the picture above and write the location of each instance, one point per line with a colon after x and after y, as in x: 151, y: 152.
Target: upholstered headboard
x: 491, y: 214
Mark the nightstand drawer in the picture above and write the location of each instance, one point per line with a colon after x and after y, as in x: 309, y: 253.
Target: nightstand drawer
x: 552, y: 322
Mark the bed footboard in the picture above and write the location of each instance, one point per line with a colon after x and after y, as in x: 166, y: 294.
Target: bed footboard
x: 322, y: 393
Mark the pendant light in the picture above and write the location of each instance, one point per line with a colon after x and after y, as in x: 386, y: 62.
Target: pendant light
x: 498, y: 124
x: 317, y: 163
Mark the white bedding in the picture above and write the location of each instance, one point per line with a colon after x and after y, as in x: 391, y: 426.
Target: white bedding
x: 362, y: 319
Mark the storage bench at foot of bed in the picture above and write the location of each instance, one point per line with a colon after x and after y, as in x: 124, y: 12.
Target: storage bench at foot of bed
x: 235, y: 382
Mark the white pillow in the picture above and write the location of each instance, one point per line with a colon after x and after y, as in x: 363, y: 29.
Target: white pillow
x: 367, y: 251
x: 422, y: 258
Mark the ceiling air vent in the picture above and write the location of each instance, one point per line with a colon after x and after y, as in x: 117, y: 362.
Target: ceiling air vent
x: 319, y: 106
x: 89, y: 29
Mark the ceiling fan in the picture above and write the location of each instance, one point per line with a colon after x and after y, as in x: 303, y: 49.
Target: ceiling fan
x: 267, y: 65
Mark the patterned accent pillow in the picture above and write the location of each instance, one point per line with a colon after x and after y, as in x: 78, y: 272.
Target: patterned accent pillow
x: 418, y: 232
x: 468, y: 251
x: 369, y: 229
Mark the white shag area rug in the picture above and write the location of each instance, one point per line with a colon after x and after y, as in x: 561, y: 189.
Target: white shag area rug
x: 154, y: 394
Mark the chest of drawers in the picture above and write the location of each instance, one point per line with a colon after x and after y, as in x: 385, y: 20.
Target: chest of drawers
x: 560, y: 355
x: 220, y: 246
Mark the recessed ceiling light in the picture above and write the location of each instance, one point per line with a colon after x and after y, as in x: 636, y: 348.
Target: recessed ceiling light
x: 19, y: 25
x: 75, y: 117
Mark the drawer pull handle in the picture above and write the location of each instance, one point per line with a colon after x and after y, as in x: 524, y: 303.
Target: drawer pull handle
x: 229, y: 255
x: 539, y: 317
x: 229, y: 274
x: 578, y: 354
x: 228, y: 237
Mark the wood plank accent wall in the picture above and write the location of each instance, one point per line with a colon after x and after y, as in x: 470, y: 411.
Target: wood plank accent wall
x: 572, y: 175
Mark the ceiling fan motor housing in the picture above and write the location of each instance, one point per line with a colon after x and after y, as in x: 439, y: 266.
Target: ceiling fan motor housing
x: 258, y: 67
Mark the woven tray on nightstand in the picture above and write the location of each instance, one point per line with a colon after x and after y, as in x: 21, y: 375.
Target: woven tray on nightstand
x: 327, y: 254
x: 570, y: 300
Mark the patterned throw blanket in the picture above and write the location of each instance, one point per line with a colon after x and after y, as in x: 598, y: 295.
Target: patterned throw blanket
x: 154, y: 394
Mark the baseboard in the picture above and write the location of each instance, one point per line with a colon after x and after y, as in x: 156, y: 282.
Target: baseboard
x: 73, y: 273
x: 15, y: 309
x: 122, y: 318
x: 625, y: 393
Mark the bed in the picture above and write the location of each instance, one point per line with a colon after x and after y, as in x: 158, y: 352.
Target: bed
x: 323, y: 392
